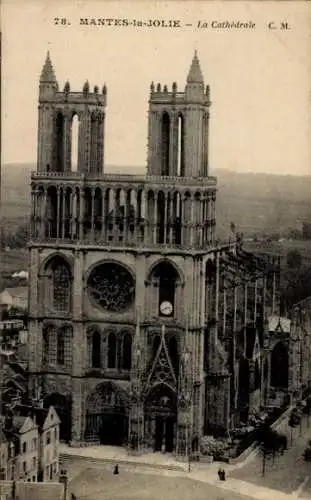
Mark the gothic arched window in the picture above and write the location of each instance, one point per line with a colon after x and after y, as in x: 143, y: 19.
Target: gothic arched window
x: 167, y: 279
x: 257, y: 376
x: 112, y: 351
x: 166, y: 125
x: 59, y: 142
x: 60, y: 347
x: 49, y: 344
x: 279, y: 366
x: 74, y: 142
x: 181, y: 147
x: 127, y: 352
x: 61, y: 285
x: 96, y: 350
x: 45, y: 345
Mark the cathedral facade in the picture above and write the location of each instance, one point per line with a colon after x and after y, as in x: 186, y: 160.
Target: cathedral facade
x: 144, y: 331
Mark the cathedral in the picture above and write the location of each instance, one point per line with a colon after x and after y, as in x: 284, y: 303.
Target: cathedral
x: 145, y: 331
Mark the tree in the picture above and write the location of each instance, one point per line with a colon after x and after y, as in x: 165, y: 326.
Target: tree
x: 295, y: 285
x: 271, y: 444
x: 18, y: 238
x: 293, y: 421
x: 293, y: 259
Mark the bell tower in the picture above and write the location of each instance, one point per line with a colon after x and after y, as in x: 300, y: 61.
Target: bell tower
x: 178, y: 127
x: 56, y: 114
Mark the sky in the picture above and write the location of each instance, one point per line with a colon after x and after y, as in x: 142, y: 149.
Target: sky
x: 260, y: 78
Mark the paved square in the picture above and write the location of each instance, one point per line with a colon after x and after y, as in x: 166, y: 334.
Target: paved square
x: 102, y: 484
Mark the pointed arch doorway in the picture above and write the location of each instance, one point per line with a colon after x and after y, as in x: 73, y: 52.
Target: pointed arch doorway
x: 161, y: 417
x: 107, y: 416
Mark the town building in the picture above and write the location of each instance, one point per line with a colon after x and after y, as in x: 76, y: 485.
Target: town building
x: 4, y: 456
x: 29, y: 444
x: 23, y: 446
x: 12, y: 333
x: 48, y: 422
x: 14, y: 298
x: 143, y: 330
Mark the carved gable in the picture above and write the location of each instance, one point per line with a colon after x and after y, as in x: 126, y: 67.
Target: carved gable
x: 162, y: 370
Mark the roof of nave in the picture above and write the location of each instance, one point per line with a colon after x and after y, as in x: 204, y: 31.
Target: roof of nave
x: 195, y: 74
x: 241, y: 264
x: 304, y: 303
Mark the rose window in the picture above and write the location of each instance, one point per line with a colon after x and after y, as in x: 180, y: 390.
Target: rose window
x: 112, y: 287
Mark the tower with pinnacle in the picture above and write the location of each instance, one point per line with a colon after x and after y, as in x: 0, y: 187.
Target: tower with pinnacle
x: 178, y: 127
x: 56, y: 112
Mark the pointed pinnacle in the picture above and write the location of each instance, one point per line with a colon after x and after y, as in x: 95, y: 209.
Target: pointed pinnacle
x: 47, y: 73
x: 195, y: 74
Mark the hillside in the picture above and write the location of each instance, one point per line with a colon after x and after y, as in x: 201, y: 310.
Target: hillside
x: 255, y: 202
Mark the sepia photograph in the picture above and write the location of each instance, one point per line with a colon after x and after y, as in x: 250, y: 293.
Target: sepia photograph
x: 155, y: 250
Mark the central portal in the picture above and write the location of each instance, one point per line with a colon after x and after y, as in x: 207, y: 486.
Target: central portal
x: 113, y: 429
x: 164, y: 434
x: 161, y: 418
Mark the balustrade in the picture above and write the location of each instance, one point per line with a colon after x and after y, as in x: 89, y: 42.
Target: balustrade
x: 132, y: 178
x: 126, y: 216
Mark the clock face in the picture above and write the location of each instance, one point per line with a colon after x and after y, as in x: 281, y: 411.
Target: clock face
x: 166, y: 308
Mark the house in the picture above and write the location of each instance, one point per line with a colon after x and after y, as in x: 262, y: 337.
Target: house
x: 21, y: 274
x: 4, y: 455
x: 12, y: 332
x: 48, y: 423
x: 49, y: 439
x: 15, y: 297
x: 22, y: 435
x: 29, y: 454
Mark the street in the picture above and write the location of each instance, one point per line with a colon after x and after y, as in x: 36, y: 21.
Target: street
x: 91, y: 478
x: 290, y: 472
x: 102, y: 484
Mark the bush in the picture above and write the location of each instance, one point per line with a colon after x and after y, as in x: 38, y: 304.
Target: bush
x: 212, y: 446
x: 18, y: 238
